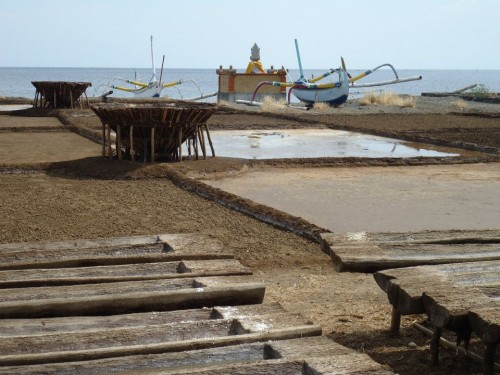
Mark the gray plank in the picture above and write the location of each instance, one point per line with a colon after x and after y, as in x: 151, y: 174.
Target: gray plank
x: 405, y: 287
x: 371, y: 252
x: 318, y: 352
x: 106, y: 251
x: 114, y: 273
x: 126, y: 297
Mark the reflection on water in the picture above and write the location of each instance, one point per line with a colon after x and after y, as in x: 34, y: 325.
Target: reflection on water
x: 314, y: 143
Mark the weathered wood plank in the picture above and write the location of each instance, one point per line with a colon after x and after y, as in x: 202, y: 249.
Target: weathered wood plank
x: 461, y: 297
x: 144, y: 271
x: 406, y: 286
x: 485, y: 322
x: 105, y: 251
x: 318, y: 353
x: 125, y: 297
x: 40, y: 326
x: 142, y: 340
x: 371, y: 252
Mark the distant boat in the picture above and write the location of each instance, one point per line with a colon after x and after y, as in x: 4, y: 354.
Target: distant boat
x: 151, y: 89
x: 154, y: 87
x: 333, y: 93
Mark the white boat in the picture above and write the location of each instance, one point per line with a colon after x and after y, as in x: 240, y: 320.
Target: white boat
x: 333, y: 93
x: 154, y: 87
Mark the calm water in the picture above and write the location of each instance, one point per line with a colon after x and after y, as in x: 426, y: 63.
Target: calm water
x: 314, y: 143
x: 16, y: 82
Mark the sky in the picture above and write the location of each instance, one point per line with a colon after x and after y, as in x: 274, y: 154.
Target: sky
x: 423, y: 34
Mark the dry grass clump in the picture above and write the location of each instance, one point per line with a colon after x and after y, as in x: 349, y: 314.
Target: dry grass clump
x: 459, y: 104
x: 321, y: 107
x: 388, y: 98
x: 269, y: 104
x: 223, y: 103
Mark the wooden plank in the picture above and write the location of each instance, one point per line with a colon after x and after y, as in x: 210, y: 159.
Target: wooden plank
x: 460, y: 297
x: 118, y: 342
x: 40, y: 326
x: 485, y: 322
x: 105, y: 251
x: 316, y: 353
x: 124, y: 297
x: 145, y: 271
x: 405, y: 287
x: 371, y: 252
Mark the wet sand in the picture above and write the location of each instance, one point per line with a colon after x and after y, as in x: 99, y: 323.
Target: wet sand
x: 377, y: 199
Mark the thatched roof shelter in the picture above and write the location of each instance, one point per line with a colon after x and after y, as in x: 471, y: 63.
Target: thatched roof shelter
x: 59, y: 94
x: 151, y: 131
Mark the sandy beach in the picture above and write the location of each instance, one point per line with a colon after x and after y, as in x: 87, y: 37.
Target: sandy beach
x: 55, y: 186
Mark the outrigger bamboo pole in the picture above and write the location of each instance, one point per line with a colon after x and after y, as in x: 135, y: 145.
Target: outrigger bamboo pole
x: 132, y: 151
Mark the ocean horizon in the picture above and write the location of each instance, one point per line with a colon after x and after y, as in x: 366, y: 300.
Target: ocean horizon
x: 16, y: 81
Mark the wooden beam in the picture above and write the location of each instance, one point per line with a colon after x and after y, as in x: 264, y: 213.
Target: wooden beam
x: 110, y: 251
x: 371, y: 252
x: 117, y: 273
x: 123, y: 297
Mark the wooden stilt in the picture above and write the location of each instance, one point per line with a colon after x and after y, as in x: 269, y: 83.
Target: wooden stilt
x: 35, y: 102
x: 71, y: 99
x: 103, y: 140
x: 195, y: 139
x: 436, y: 336
x: 209, y: 140
x: 152, y: 144
x: 202, y: 141
x: 180, y: 144
x: 395, y: 321
x: 489, y: 358
x: 119, y: 141
x: 132, y: 151
x: 108, y: 136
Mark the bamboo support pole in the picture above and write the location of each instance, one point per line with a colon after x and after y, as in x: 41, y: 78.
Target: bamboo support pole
x: 202, y: 141
x: 180, y: 144
x: 71, y: 99
x: 103, y: 140
x: 132, y: 151
x: 152, y: 144
x: 119, y: 142
x: 195, y: 139
x: 210, y: 140
x: 110, y: 151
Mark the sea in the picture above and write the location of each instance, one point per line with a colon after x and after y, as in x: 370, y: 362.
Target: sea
x: 16, y: 82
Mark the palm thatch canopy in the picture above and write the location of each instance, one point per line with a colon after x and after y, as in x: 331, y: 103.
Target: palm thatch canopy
x: 155, y: 130
x: 59, y: 94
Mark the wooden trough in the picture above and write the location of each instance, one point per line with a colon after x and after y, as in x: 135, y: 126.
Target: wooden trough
x: 371, y: 252
x: 146, y: 131
x: 168, y: 303
x: 462, y: 297
x: 60, y: 94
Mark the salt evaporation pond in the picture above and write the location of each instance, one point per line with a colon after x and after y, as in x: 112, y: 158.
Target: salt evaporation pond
x: 315, y: 143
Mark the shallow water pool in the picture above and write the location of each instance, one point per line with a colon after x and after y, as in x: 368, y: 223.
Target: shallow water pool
x: 316, y: 143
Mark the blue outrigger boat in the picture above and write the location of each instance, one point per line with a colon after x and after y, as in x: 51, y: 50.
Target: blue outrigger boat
x: 332, y: 93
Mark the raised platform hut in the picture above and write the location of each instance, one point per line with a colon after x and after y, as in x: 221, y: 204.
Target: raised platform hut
x: 151, y: 132
x: 60, y: 94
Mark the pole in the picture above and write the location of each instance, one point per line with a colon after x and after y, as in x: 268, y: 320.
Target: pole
x: 302, y: 78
